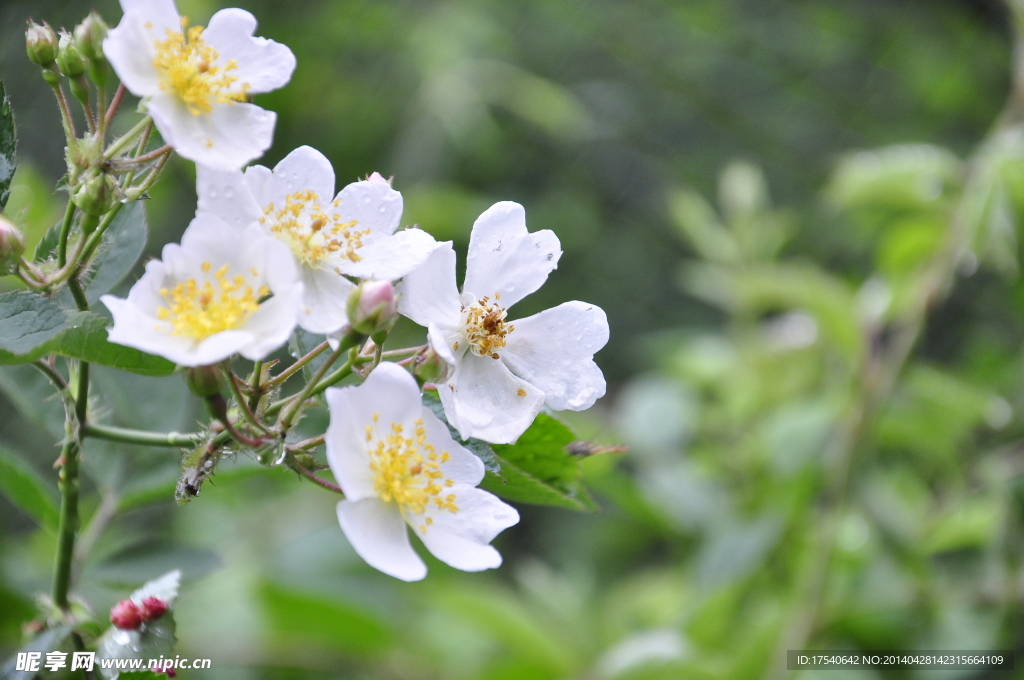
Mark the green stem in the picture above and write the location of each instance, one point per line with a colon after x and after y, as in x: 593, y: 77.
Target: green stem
x: 52, y: 375
x: 96, y: 237
x: 68, y: 524
x: 141, y: 437
x: 65, y: 115
x: 319, y: 481
x: 297, y: 366
x: 312, y: 388
x: 127, y: 138
x: 76, y: 292
x: 254, y: 385
x: 65, y: 231
x: 236, y: 391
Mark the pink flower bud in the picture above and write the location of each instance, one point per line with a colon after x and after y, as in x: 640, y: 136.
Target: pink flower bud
x: 125, y: 615
x: 372, y: 307
x: 152, y: 609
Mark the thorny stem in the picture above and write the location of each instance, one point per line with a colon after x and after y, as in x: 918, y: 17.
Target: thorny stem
x: 243, y: 405
x: 302, y: 470
x: 69, y: 487
x: 254, y: 385
x: 285, y: 422
x: 52, y: 375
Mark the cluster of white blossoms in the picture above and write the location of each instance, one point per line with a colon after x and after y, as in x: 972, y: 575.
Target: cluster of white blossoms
x: 272, y: 249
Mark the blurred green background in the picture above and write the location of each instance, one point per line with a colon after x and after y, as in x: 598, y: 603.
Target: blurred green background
x: 808, y: 255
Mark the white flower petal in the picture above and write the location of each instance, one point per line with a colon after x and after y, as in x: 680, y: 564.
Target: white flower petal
x: 554, y: 350
x: 130, y: 51
x: 162, y: 14
x: 462, y: 467
x: 428, y: 294
x: 324, y: 302
x: 346, y: 447
x: 272, y: 324
x: 304, y: 168
x: 443, y: 344
x: 258, y: 178
x: 378, y: 534
x: 391, y: 394
x: 226, y: 194
x: 134, y: 328
x: 227, y: 138
x: 261, y: 64
x: 391, y: 257
x: 374, y: 206
x: 219, y: 347
x: 488, y: 401
x: 481, y: 515
x: 461, y: 553
x: 505, y: 259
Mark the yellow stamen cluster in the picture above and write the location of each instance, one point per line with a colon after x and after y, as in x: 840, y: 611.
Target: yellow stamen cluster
x: 312, y: 233
x: 199, y: 310
x: 407, y: 470
x: 485, y: 327
x: 188, y: 67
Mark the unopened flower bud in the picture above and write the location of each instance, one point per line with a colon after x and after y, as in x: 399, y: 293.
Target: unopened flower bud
x: 203, y: 381
x: 152, y: 608
x: 125, y: 615
x: 70, y: 60
x: 12, y: 245
x: 41, y: 44
x: 429, y: 367
x: 89, y: 36
x: 96, y: 195
x: 372, y: 307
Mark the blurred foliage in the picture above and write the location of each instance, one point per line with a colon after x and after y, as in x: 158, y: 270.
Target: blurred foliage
x: 822, y: 399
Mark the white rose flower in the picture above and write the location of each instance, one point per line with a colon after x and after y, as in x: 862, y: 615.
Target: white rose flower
x: 351, y: 234
x: 195, y: 82
x: 398, y: 465
x: 504, y: 372
x: 222, y: 291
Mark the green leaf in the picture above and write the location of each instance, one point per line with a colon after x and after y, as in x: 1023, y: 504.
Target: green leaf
x: 122, y: 246
x: 85, y: 338
x: 904, y: 177
x: 538, y: 468
x: 47, y: 246
x: 47, y: 641
x: 26, y: 490
x: 8, y: 143
x: 27, y: 320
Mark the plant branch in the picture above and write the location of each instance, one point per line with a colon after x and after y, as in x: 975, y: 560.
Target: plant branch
x: 297, y: 366
x: 319, y: 481
x: 141, y: 437
x: 115, y: 103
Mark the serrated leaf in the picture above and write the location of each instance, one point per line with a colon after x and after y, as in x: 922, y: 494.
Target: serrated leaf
x: 47, y: 641
x: 478, y: 448
x: 122, y: 246
x: 85, y: 338
x: 27, y: 320
x: 26, y: 490
x: 47, y: 246
x: 541, y: 451
x: 516, y: 484
x: 8, y: 145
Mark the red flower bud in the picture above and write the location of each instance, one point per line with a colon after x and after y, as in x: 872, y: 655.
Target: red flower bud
x: 152, y: 608
x: 125, y: 615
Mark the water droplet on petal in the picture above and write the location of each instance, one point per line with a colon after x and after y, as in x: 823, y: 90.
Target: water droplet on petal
x: 213, y: 193
x: 229, y: 192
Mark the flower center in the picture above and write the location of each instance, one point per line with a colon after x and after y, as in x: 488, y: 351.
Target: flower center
x: 198, y: 310
x: 407, y: 470
x: 484, y: 326
x: 311, y: 232
x: 187, y: 67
